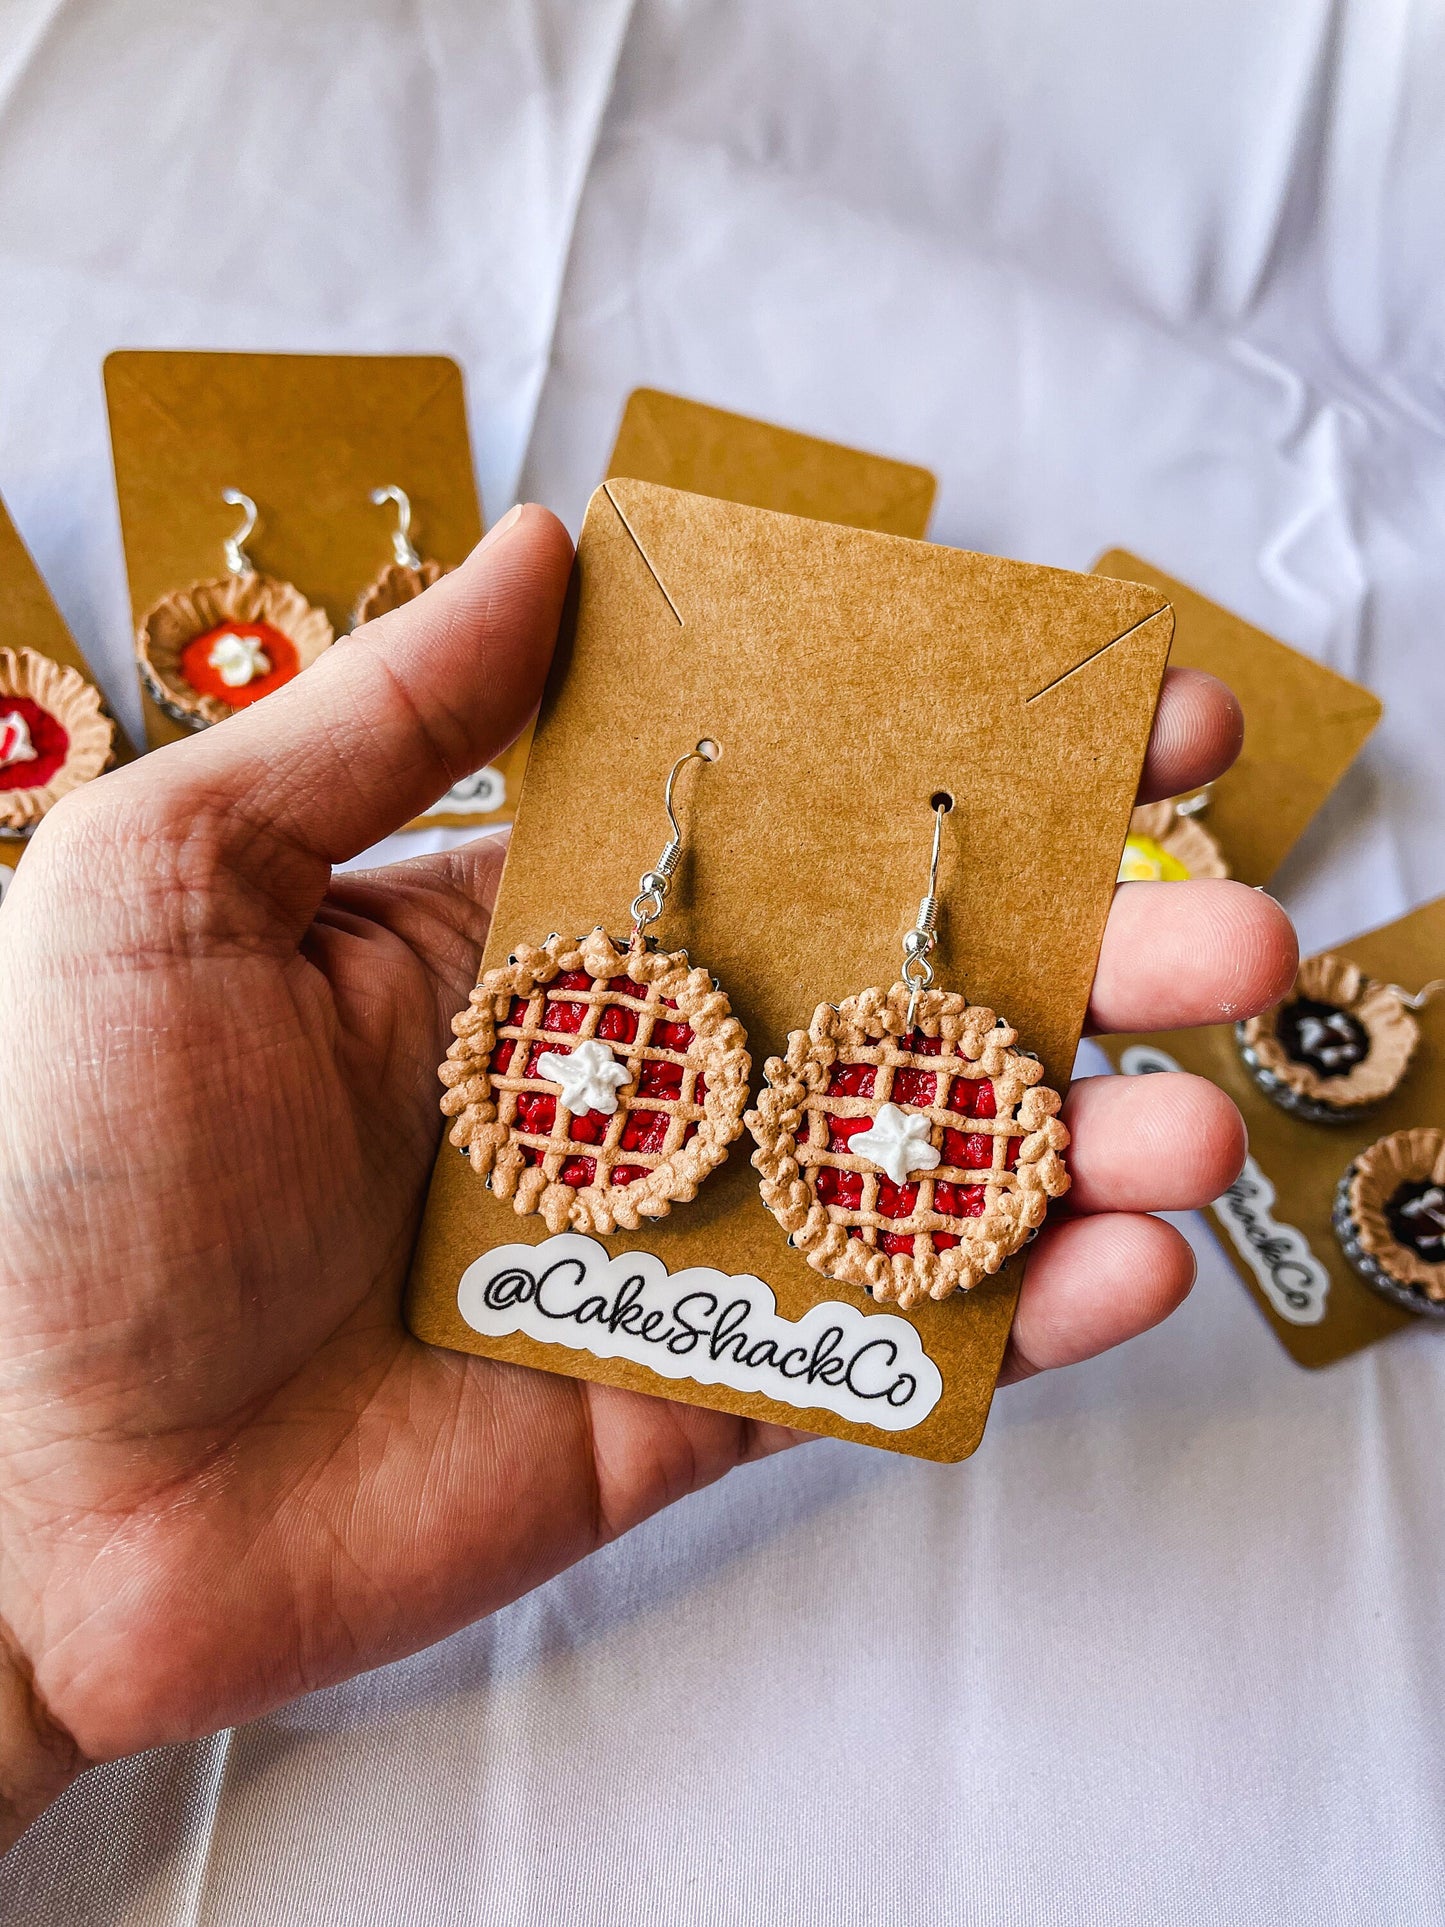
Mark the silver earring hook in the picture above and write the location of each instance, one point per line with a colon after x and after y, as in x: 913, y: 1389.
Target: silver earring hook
x: 237, y: 560
x: 919, y: 943
x: 654, y: 884
x: 401, y: 542
x: 1421, y: 997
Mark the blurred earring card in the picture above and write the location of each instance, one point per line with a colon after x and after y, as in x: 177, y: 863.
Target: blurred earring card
x: 31, y: 625
x: 307, y: 438
x: 709, y: 451
x: 1275, y: 1220
x: 847, y: 676
x: 1303, y: 724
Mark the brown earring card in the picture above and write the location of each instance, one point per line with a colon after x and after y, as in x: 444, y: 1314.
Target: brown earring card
x: 688, y: 445
x: 1275, y: 1219
x: 307, y: 437
x: 1303, y: 724
x: 847, y: 675
x: 29, y: 619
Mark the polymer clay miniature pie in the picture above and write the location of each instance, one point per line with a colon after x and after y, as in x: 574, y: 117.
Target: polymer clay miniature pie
x: 397, y: 584
x: 595, y: 1084
x: 220, y: 646
x: 1166, y: 846
x: 1390, y: 1218
x: 54, y: 736
x: 909, y: 1163
x: 1338, y: 1043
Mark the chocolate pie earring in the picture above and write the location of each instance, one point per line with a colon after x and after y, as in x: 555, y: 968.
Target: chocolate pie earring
x: 406, y: 575
x: 219, y: 646
x: 1167, y: 843
x: 594, y: 1082
x: 904, y: 1144
x: 55, y: 734
x: 1389, y: 1217
x: 1339, y: 1043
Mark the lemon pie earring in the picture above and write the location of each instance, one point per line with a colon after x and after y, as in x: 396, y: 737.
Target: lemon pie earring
x: 1169, y: 843
x: 221, y: 645
x: 904, y: 1143
x: 599, y: 1082
x: 407, y: 573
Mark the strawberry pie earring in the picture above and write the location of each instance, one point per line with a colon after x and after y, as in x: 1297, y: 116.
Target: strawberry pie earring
x: 219, y: 646
x: 594, y: 1082
x: 406, y: 575
x: 904, y: 1144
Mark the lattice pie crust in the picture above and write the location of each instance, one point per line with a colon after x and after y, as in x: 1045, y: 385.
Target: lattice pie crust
x: 989, y: 1114
x: 677, y: 1114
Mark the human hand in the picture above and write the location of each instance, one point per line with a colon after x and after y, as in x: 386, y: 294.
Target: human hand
x: 228, y: 1474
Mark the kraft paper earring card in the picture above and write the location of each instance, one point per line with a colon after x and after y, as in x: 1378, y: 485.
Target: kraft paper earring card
x: 1276, y: 1220
x: 56, y: 729
x: 1303, y: 724
x: 306, y: 438
x: 711, y: 451
x: 844, y: 677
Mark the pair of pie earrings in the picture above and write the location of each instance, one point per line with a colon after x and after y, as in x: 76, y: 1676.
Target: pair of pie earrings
x: 904, y: 1143
x: 1338, y: 1045
x: 221, y: 645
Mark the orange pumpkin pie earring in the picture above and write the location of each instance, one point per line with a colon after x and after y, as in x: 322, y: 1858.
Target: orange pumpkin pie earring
x: 407, y: 573
x: 221, y: 645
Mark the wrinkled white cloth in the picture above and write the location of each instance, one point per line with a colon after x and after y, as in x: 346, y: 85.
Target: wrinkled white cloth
x: 1168, y: 1649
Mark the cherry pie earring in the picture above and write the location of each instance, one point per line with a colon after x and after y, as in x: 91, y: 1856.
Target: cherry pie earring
x: 55, y: 734
x: 407, y: 574
x: 594, y: 1082
x: 1167, y: 843
x: 219, y: 646
x: 904, y: 1144
x: 1337, y: 1045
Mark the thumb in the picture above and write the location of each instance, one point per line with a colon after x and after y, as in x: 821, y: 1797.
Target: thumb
x: 388, y: 718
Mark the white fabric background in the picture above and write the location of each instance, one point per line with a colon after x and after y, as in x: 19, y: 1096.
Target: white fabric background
x: 1168, y: 1649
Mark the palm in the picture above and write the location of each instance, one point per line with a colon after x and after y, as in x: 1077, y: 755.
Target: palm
x: 227, y: 1473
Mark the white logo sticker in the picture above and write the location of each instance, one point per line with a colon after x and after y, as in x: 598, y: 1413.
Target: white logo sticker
x: 703, y: 1325
x: 1290, y: 1275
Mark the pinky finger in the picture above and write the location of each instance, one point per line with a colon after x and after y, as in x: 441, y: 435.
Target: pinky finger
x: 1091, y: 1284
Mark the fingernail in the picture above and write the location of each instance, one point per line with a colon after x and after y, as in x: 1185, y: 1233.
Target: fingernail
x: 512, y: 516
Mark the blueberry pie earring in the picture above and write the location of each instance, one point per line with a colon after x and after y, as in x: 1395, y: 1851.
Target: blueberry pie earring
x: 1338, y: 1044
x: 903, y: 1142
x: 1389, y: 1217
x: 599, y: 1082
x: 221, y: 645
x: 407, y: 573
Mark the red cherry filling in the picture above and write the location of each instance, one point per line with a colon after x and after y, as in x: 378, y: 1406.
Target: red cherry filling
x: 618, y: 1026
x: 851, y: 1080
x: 914, y: 1087
x: 896, y: 1200
x: 645, y: 1131
x: 659, y: 1080
x: 506, y: 1050
x: 577, y: 1171
x: 841, y: 1129
x: 670, y: 1036
x: 560, y: 1016
x: 1011, y: 1157
x: 536, y: 1112
x: 589, y: 1127
x: 841, y: 1188
x: 973, y: 1097
x: 922, y: 1046
x: 48, y: 738
x: 896, y: 1243
x: 572, y: 980
x: 540, y: 1049
x: 958, y: 1201
x: 627, y: 1173
x: 967, y: 1150
x: 517, y: 1010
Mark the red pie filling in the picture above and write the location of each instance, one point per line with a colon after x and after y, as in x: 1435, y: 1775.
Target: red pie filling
x: 851, y: 1080
x: 48, y: 738
x: 205, y: 678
